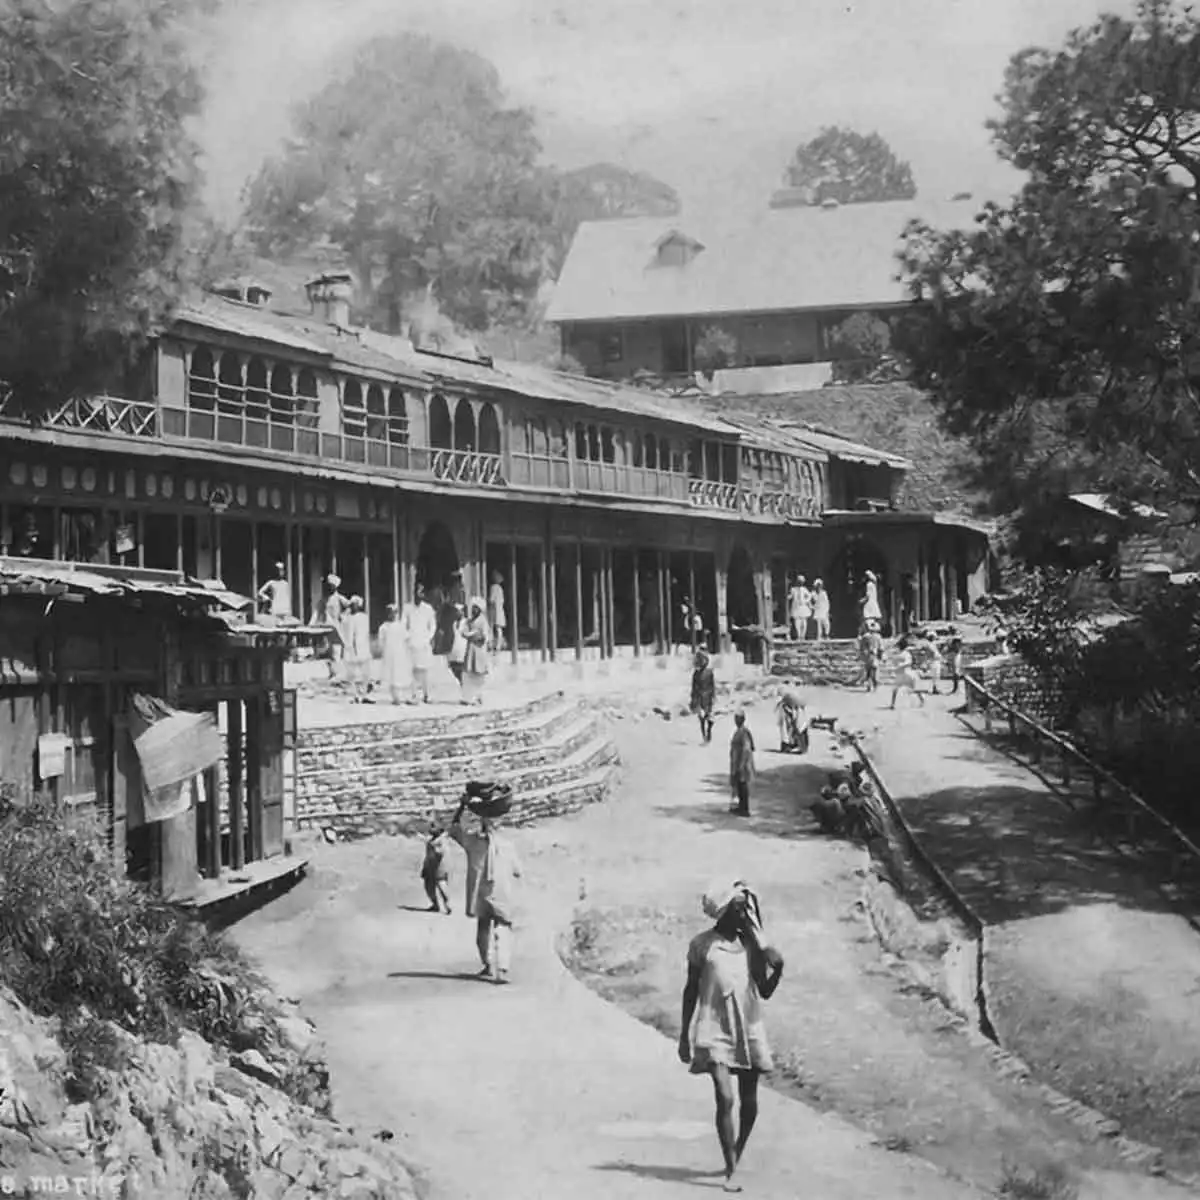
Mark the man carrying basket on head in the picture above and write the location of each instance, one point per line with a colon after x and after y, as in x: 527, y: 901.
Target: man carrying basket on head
x: 492, y: 869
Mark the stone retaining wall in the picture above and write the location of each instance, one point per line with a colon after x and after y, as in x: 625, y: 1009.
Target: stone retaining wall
x: 1013, y: 680
x: 399, y: 776
x: 834, y: 660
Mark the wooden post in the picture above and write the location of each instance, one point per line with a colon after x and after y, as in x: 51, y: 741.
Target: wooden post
x: 637, y: 608
x: 579, y: 601
x: 543, y: 603
x: 139, y: 528
x: 333, y: 549
x: 254, y: 584
x: 212, y: 791
x: 514, y: 630
x: 304, y: 597
x: 235, y: 780
x: 610, y: 607
x: 289, y: 562
x: 553, y: 556
x: 179, y: 542
x: 397, y: 597
x: 254, y: 753
x: 366, y: 575
x: 664, y: 604
x: 692, y: 597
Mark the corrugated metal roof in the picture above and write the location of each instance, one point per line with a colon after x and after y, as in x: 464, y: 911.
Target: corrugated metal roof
x: 837, y: 446
x: 769, y: 260
x: 42, y: 577
x: 1108, y: 506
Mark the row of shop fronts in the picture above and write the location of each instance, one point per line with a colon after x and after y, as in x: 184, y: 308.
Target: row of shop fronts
x: 579, y: 580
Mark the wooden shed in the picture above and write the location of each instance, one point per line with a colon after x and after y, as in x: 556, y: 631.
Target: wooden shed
x: 86, y: 654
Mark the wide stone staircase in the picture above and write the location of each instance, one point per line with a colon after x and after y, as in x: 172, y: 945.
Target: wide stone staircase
x: 395, y: 776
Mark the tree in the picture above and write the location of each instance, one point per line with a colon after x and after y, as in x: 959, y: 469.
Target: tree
x: 604, y: 191
x: 862, y: 351
x: 849, y: 167
x: 1062, y: 332
x: 411, y: 164
x: 97, y: 182
x: 716, y: 349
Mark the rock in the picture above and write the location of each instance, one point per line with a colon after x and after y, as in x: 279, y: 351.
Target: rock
x: 252, y: 1063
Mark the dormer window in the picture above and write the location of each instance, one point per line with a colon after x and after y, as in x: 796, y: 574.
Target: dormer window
x: 676, y: 249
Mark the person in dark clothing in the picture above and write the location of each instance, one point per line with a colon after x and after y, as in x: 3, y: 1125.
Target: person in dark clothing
x: 741, y: 764
x: 704, y: 693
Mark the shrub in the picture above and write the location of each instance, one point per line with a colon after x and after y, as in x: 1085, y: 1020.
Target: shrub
x: 715, y: 350
x: 79, y: 942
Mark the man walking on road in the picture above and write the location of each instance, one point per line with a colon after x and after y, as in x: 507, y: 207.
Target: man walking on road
x: 492, y: 869
x: 741, y: 764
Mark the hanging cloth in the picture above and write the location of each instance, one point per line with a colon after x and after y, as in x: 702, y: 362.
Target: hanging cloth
x: 172, y: 747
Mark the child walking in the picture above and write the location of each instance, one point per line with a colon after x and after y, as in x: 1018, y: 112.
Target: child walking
x: 906, y: 677
x: 741, y: 764
x: 434, y: 873
x: 870, y: 651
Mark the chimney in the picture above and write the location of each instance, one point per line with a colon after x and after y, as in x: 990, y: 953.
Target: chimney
x: 329, y: 296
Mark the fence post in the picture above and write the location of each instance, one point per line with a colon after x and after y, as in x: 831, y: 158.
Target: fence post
x: 987, y: 716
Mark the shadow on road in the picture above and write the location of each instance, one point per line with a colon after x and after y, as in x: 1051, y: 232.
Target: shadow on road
x: 710, y: 1179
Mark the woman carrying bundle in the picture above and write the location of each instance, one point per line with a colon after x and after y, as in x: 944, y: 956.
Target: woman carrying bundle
x: 792, y: 718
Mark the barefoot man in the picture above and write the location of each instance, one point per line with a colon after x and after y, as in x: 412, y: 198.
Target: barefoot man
x: 731, y: 970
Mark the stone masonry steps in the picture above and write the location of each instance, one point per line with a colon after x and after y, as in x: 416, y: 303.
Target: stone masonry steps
x: 556, y: 787
x: 462, y: 721
x: 357, y: 747
x: 403, y: 775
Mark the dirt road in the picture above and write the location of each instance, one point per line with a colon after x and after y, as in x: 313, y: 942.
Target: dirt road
x: 544, y: 1090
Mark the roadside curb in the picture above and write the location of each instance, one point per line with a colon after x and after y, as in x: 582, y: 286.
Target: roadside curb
x: 1095, y: 1124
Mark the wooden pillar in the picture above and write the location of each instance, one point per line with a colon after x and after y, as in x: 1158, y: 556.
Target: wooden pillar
x: 692, y: 597
x: 724, y: 642
x: 303, y: 585
x: 139, y: 525
x: 553, y: 556
x: 637, y: 607
x: 289, y: 565
x: 254, y: 584
x: 5, y: 529
x: 216, y: 547
x: 922, y: 586
x: 543, y: 603
x: 212, y: 813
x: 952, y: 573
x: 366, y: 575
x: 514, y: 636
x: 610, y: 602
x: 253, y: 792
x: 664, y: 603
x: 332, y: 567
x: 397, y: 596
x: 579, y: 600
x: 236, y: 784
x: 179, y: 542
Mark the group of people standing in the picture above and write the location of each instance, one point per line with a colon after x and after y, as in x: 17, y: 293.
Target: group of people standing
x: 808, y: 607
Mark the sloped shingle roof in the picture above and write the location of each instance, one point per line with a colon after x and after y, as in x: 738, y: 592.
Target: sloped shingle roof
x: 771, y: 260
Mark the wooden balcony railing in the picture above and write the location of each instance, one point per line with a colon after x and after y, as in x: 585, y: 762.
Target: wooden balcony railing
x: 467, y: 466
x: 97, y: 414
x: 731, y: 497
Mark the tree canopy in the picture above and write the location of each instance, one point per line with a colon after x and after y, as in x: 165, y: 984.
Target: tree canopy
x: 1061, y: 333
x: 411, y: 163
x: 849, y: 167
x: 97, y: 179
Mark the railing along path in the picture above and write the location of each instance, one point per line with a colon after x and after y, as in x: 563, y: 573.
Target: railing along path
x: 1110, y: 799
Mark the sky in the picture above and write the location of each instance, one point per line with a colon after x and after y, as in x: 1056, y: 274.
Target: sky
x: 711, y: 96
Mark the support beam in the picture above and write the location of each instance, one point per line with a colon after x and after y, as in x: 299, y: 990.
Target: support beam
x: 637, y: 606
x: 236, y: 784
x: 179, y: 542
x: 664, y: 604
x: 514, y: 636
x: 553, y: 556
x: 692, y: 607
x: 579, y: 601
x: 397, y: 550
x: 610, y: 603
x: 543, y: 604
x: 216, y: 537
x: 366, y: 576
x: 255, y: 582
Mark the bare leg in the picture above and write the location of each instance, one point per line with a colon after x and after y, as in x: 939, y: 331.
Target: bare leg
x: 747, y: 1109
x: 723, y: 1094
x: 483, y: 942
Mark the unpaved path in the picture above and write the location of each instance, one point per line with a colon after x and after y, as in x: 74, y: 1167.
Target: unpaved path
x: 544, y: 1090
x: 1094, y: 976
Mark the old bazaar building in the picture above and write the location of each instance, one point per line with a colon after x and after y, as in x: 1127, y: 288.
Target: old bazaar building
x: 256, y: 436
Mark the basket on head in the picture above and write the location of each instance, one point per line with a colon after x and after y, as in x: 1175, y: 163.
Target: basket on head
x: 488, y: 798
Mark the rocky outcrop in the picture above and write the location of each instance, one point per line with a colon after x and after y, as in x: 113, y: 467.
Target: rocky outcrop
x: 182, y: 1122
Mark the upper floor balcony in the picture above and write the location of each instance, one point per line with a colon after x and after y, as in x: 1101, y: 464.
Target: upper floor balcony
x: 460, y: 443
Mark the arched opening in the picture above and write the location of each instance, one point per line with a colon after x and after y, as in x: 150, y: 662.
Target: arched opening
x: 308, y: 406
x: 651, y: 452
x: 377, y: 414
x: 230, y: 387
x: 741, y: 604
x: 465, y: 435
x: 202, y: 382
x: 489, y: 430
x: 441, y: 435
x: 283, y: 402
x: 844, y: 582
x: 437, y: 561
x: 257, y: 395
x: 397, y: 417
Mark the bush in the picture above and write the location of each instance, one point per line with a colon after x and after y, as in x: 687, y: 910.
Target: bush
x: 862, y: 351
x: 715, y: 350
x: 81, y: 943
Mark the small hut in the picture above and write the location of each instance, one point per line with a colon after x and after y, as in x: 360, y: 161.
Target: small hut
x: 152, y: 702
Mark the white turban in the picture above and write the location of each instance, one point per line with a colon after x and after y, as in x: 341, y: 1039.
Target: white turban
x: 718, y: 898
